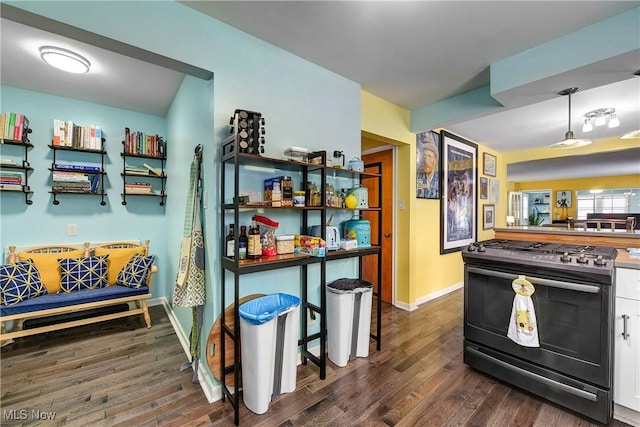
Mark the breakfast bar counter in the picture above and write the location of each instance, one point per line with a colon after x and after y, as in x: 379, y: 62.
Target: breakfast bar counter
x: 605, y: 237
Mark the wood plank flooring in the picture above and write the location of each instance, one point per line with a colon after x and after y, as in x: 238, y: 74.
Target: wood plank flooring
x: 119, y: 373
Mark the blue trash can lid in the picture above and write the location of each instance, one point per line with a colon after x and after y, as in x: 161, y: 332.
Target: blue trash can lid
x: 263, y: 309
x: 345, y: 285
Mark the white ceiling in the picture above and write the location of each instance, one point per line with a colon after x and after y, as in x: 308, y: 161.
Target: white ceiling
x: 116, y: 80
x: 409, y: 53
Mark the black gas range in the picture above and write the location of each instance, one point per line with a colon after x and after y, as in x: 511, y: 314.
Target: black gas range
x: 573, y: 260
x: 573, y: 303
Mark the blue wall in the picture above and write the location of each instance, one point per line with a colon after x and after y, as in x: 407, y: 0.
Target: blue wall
x: 304, y: 105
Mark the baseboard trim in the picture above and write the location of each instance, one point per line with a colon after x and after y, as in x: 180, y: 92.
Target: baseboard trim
x: 212, y: 392
x: 440, y: 293
x: 626, y: 415
x: 406, y: 307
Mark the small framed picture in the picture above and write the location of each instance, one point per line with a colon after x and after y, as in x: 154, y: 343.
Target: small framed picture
x: 563, y: 199
x: 484, y: 188
x: 489, y: 164
x: 488, y: 217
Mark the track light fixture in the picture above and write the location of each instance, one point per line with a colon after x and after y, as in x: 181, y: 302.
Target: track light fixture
x: 600, y: 117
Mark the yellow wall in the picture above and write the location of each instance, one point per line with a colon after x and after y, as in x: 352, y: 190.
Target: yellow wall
x: 421, y: 270
x: 598, y: 183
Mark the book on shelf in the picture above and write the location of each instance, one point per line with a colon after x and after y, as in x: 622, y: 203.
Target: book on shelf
x: 69, y: 134
x: 95, y: 183
x: 10, y: 177
x: 152, y: 169
x: 136, y: 170
x: 70, y: 176
x: 79, y: 168
x: 8, y: 162
x: 11, y: 187
x: 139, y: 143
x: 13, y: 126
x: 72, y: 187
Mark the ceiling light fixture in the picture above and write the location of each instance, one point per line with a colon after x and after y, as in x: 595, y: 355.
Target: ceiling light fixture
x: 64, y: 59
x: 600, y: 117
x: 569, y: 141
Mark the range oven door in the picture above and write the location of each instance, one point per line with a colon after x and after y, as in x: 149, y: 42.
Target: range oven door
x: 574, y: 327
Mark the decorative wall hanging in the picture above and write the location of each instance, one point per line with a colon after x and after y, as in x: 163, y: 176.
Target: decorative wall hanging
x: 459, y: 165
x: 427, y: 165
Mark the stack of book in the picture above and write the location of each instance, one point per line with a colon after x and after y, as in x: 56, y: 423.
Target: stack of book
x: 73, y: 182
x: 138, y: 188
x: 67, y: 134
x: 11, y: 180
x: 13, y: 126
x: 140, y: 143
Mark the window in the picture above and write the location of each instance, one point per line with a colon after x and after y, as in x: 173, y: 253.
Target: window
x: 620, y: 200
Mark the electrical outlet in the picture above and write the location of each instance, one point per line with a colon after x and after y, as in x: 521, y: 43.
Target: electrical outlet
x: 72, y: 229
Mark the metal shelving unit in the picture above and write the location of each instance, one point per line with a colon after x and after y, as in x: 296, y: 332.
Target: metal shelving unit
x: 233, y: 161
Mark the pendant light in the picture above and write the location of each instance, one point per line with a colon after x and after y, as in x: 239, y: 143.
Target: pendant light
x: 569, y: 141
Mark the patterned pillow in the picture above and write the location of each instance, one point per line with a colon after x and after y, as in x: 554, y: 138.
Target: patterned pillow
x: 118, y: 258
x: 134, y: 274
x: 19, y: 282
x: 83, y: 273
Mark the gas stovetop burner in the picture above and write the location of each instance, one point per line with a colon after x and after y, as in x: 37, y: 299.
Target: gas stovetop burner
x: 560, y: 255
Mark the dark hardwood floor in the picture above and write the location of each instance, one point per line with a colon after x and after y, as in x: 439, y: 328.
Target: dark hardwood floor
x: 120, y: 373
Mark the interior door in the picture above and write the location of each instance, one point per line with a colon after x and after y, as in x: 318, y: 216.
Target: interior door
x: 380, y: 162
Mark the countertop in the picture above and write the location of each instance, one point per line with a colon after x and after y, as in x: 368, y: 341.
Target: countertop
x: 624, y: 260
x: 571, y: 231
x: 620, y: 239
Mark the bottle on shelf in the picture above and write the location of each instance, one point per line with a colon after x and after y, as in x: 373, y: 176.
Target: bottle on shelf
x: 231, y: 242
x: 254, y: 245
x: 243, y: 243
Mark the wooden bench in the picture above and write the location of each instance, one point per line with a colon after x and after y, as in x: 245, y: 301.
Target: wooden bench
x: 77, y: 301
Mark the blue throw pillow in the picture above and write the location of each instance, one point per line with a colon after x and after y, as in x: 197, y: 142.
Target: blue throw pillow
x: 19, y: 282
x: 83, y: 273
x: 135, y: 273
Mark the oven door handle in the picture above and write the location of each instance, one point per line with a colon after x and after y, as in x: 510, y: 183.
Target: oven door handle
x: 536, y: 377
x: 538, y: 281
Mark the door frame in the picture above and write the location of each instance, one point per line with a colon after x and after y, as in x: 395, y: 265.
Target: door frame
x: 394, y: 177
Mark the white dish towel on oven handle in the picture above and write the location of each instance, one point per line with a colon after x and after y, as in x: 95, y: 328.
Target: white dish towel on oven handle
x: 523, y: 325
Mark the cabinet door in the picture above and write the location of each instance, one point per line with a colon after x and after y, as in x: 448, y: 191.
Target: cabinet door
x: 626, y: 387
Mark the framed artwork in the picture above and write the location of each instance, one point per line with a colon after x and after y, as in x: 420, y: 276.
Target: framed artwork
x: 459, y: 176
x: 484, y: 188
x: 427, y: 165
x: 488, y: 217
x: 494, y: 190
x: 563, y: 199
x: 489, y: 164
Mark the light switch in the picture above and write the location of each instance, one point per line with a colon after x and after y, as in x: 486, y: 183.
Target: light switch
x: 72, y: 229
x: 400, y: 204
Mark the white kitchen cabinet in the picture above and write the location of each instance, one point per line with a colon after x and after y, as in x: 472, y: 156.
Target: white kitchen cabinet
x: 626, y: 391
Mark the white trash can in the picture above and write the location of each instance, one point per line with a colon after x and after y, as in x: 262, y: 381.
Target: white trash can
x: 348, y: 319
x: 269, y: 345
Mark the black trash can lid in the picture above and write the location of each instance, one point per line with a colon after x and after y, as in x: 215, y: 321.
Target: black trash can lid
x: 346, y: 285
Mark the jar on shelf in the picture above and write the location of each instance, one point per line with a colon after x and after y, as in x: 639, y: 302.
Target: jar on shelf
x: 313, y: 195
x: 299, y: 199
x: 286, y: 184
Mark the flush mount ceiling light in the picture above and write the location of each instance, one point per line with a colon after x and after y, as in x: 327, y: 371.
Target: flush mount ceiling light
x: 600, y: 117
x: 569, y: 141
x: 64, y: 59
